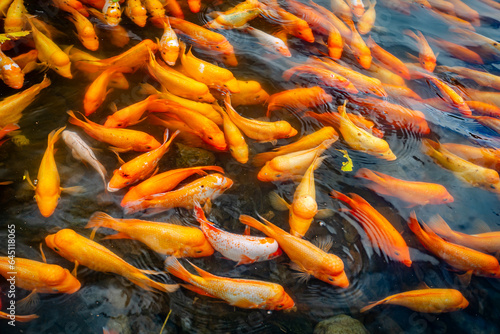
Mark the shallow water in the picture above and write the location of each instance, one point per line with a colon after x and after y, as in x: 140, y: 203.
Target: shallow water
x: 112, y: 301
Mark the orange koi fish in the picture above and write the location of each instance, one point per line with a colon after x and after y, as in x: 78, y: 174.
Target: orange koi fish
x: 251, y: 294
x: 123, y: 140
x: 85, y: 30
x: 426, y: 56
x: 395, y: 114
x: 50, y: 54
x: 11, y: 107
x: 201, y: 125
x: 187, y: 136
x: 164, y: 182
x: 326, y: 77
x: 488, y: 242
x: 251, y: 93
x: 358, y: 47
x: 179, y: 84
x: 357, y: 7
x: 211, y: 75
x: 333, y: 119
x: 411, y: 192
x: 292, y: 165
x: 341, y: 8
x: 168, y: 45
x: 237, y: 144
x: 311, y: 140
x: 459, y: 257
x: 291, y: 23
x: 490, y: 122
x: 136, y: 12
x: 386, y: 76
x: 112, y: 12
x: 163, y: 238
x: 194, y: 5
x: 270, y: 42
x: 457, y: 51
x: 298, y: 99
x: 10, y: 72
x: 154, y: 8
x: 443, y: 6
x: 465, y: 12
x: 201, y: 190
x: 116, y: 34
x: 39, y: 277
x: 464, y: 170
x: 451, y: 20
x: 4, y: 6
x: 173, y: 7
x: 482, y: 156
x: 344, y: 31
x: 367, y: 21
x: 307, y: 258
x: 449, y: 95
x: 259, y: 130
x: 236, y: 17
x: 130, y: 115
x: 82, y: 251
x: 361, y: 140
x: 26, y: 58
x: 379, y: 230
x: 97, y: 91
x: 314, y: 19
x: 243, y: 249
x: 488, y: 97
x: 139, y: 167
x: 14, y: 20
x: 400, y: 91
x: 426, y: 301
x: 483, y: 109
x: 388, y: 60
x: 483, y: 78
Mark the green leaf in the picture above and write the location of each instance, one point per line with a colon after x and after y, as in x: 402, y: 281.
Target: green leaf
x: 13, y: 35
x: 346, y: 165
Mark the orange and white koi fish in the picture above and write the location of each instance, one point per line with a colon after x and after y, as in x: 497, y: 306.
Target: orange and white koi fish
x: 236, y: 142
x: 259, y: 130
x: 82, y: 251
x: 459, y: 257
x: 14, y: 18
x: 488, y: 242
x: 307, y: 258
x: 389, y: 60
x: 483, y: 78
x: 140, y: 167
x: 211, y: 75
x: 168, y: 45
x: 292, y: 165
x: 11, y: 107
x: 164, y: 238
x: 366, y: 22
x: 123, y: 140
x: 379, y: 230
x: 411, y: 192
x: 251, y: 92
x: 361, y: 140
x: 112, y: 12
x: 10, y: 72
x: 270, y: 42
x: 201, y: 190
x: 457, y: 51
x: 135, y: 10
x: 290, y: 23
x: 482, y: 156
x: 50, y: 54
x: 311, y: 140
x: 325, y: 77
x: 358, y: 47
x: 298, y: 99
x: 251, y: 294
x: 243, y: 249
x: 97, y: 91
x: 333, y: 119
x: 39, y: 277
x: 357, y: 7
x: 426, y: 301
x: 164, y: 182
x: 464, y: 170
x: 236, y: 17
x: 85, y: 30
x: 129, y: 115
x: 426, y: 56
x: 82, y: 151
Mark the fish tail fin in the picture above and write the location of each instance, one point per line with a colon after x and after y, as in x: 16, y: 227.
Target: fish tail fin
x: 410, y: 33
x: 76, y: 121
x: 344, y: 198
x: 439, y: 226
x: 268, y: 228
x: 20, y: 318
x: 200, y: 214
x: 101, y: 219
x: 278, y: 202
x: 414, y: 225
x: 54, y: 136
x: 173, y: 266
x: 45, y: 82
x: 146, y: 283
x: 148, y: 89
x: 261, y: 158
x: 372, y: 305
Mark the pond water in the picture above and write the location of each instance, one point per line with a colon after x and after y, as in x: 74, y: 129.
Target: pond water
x: 109, y: 300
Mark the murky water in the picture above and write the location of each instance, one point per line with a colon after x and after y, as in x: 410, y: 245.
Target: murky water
x: 112, y: 301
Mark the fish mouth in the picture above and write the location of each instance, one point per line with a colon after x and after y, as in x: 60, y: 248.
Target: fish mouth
x: 110, y: 189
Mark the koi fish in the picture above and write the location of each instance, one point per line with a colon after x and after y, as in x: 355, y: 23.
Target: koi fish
x: 10, y: 72
x: 201, y: 190
x: 358, y: 47
x: 291, y: 23
x: 259, y: 130
x: 112, y: 12
x: 194, y: 5
x: 82, y: 251
x: 173, y: 7
x: 251, y: 93
x: 130, y: 115
x: 269, y: 42
x: 251, y: 294
x: 357, y: 7
x: 463, y: 170
x: 386, y: 76
x: 426, y: 56
x: 488, y: 97
x: 341, y: 8
x: 484, y: 242
x: 490, y: 122
x: 451, y: 20
x: 136, y: 12
x: 314, y: 19
x: 11, y: 107
x: 413, y: 193
x: 154, y: 8
x: 426, y: 301
x: 482, y: 156
x: 400, y: 91
x: 97, y: 91
x: 465, y: 12
x: 310, y: 141
x: 449, y: 95
x: 187, y: 136
x: 367, y: 20
x: 236, y: 17
x: 333, y: 119
x: 459, y: 257
x: 482, y: 78
x: 379, y: 230
x: 85, y: 30
x: 243, y: 249
x: 25, y: 59
x: 82, y: 151
x: 291, y: 165
x: 307, y: 258
x: 298, y: 99
x: 14, y: 20
x: 483, y: 109
x: 168, y: 45
x: 388, y: 60
x: 123, y: 140
x: 164, y: 182
x: 344, y: 31
x: 237, y: 145
x: 443, y: 6
x: 326, y: 77
x: 457, y: 51
x: 163, y: 238
x: 489, y: 48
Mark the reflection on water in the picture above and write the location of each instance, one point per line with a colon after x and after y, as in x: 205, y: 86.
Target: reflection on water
x: 112, y: 301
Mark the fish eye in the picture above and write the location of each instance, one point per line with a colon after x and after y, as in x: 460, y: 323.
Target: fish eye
x: 56, y: 249
x: 198, y: 251
x: 397, y: 253
x: 148, y: 147
x: 300, y: 33
x: 330, y: 279
x: 210, y: 137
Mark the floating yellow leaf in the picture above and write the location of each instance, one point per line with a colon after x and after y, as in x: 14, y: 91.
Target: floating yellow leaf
x: 13, y: 35
x: 346, y: 165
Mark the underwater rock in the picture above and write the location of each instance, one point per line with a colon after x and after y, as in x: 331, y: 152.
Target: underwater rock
x: 340, y: 324
x: 192, y: 156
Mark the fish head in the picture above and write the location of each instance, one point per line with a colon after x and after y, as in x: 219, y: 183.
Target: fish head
x: 268, y: 174
x: 304, y: 32
x: 170, y: 55
x: 90, y: 41
x: 402, y: 255
x: 284, y: 130
x: 216, y: 139
x: 229, y: 58
x: 112, y: 122
x: 47, y: 203
x: 442, y: 197
x: 64, y: 71
x: 120, y: 180
x: 240, y: 153
x: 365, y: 60
x: 387, y: 155
x: 428, y: 63
x: 232, y: 85
x: 60, y: 280
x: 59, y: 58
x: 200, y: 250
x: 333, y: 278
x: 59, y: 241
x: 282, y: 302
x: 147, y: 144
x: 13, y: 76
